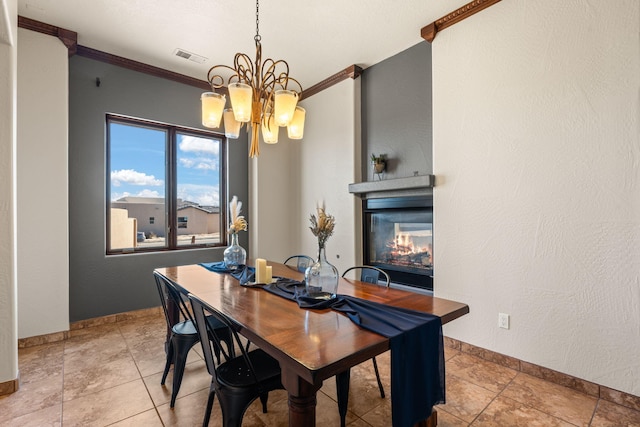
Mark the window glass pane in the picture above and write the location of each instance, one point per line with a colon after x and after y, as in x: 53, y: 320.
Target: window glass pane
x: 198, y: 189
x: 137, y: 171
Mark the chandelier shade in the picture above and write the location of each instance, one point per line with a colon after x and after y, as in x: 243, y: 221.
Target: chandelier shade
x: 295, y: 129
x: 284, y: 106
x: 212, y: 107
x: 231, y: 125
x: 241, y: 99
x: 261, y: 93
x: 270, y: 130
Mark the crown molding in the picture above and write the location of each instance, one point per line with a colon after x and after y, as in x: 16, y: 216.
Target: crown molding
x: 429, y: 32
x: 67, y: 37
x: 141, y: 67
x: 352, y: 71
x: 70, y: 39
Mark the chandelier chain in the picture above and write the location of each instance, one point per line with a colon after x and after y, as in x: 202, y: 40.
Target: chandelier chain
x: 257, y: 38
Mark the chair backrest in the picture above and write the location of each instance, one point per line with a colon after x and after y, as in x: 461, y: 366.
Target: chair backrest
x: 174, y: 303
x: 302, y: 261
x: 370, y: 274
x: 210, y: 337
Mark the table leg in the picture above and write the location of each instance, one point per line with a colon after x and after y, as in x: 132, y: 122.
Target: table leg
x: 302, y: 400
x: 342, y: 388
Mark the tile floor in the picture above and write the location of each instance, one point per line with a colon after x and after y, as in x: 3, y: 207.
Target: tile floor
x: 110, y: 376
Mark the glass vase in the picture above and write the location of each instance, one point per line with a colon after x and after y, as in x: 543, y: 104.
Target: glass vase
x: 235, y: 256
x: 321, y: 278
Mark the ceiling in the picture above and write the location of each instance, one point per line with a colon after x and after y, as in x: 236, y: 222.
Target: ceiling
x: 316, y: 38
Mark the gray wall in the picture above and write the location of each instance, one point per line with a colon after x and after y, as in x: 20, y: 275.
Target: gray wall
x: 99, y: 284
x: 397, y: 114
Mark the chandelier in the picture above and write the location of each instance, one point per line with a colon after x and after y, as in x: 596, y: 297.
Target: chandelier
x: 260, y: 94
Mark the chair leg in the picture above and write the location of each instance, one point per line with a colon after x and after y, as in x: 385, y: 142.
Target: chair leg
x: 179, y: 362
x: 342, y: 387
x: 169, y: 350
x: 207, y: 413
x: 263, y: 399
x: 375, y: 368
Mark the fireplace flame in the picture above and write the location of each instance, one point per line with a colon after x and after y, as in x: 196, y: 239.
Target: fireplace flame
x: 402, y: 250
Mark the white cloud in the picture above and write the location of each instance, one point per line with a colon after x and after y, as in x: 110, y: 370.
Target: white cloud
x: 202, y: 163
x: 196, y: 144
x: 130, y: 176
x: 143, y: 193
x: 187, y: 163
x: 206, y: 195
x: 149, y: 193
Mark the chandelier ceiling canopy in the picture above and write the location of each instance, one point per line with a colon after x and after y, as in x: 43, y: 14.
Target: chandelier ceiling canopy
x: 261, y: 93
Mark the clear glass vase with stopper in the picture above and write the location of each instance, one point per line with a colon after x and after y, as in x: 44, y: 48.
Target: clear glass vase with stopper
x: 321, y: 278
x: 235, y: 256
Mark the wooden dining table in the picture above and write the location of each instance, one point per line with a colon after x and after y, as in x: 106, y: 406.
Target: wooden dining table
x: 310, y: 345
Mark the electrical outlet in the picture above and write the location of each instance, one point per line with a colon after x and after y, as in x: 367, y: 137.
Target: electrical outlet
x: 503, y: 320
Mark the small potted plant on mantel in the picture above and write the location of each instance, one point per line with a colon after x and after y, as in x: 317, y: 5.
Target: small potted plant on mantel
x: 379, y: 162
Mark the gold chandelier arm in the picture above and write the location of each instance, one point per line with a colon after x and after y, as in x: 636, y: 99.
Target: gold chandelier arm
x: 268, y: 77
x: 244, y: 68
x: 291, y: 79
x: 255, y: 148
x: 216, y: 80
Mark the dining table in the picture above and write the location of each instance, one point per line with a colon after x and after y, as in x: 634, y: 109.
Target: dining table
x: 311, y: 345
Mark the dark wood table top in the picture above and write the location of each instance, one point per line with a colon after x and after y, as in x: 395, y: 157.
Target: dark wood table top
x: 312, y: 344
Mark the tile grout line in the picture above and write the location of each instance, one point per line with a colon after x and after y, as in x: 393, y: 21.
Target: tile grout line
x: 595, y: 409
x: 155, y: 407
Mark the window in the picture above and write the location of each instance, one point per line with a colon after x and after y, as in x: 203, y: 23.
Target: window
x: 170, y: 175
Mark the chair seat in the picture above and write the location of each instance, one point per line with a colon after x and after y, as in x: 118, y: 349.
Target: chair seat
x: 184, y: 328
x: 188, y: 328
x: 234, y: 373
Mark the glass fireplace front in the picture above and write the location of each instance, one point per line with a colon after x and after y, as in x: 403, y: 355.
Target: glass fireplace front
x: 398, y: 238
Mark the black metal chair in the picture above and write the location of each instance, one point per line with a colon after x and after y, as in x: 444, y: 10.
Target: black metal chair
x: 369, y: 274
x: 183, y: 334
x: 302, y: 261
x: 239, y: 380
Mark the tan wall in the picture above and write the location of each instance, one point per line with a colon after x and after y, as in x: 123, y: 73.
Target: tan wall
x: 123, y: 229
x: 213, y: 223
x: 142, y: 212
x: 199, y: 221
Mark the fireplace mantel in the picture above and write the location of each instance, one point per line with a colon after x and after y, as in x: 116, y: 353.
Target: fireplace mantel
x: 421, y: 185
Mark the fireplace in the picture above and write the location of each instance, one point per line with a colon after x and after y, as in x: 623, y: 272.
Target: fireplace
x: 398, y: 238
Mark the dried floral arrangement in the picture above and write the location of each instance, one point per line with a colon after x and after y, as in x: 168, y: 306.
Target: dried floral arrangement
x: 238, y: 223
x: 322, y: 227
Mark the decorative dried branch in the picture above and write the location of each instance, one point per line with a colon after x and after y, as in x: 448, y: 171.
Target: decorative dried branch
x: 322, y: 227
x: 238, y: 223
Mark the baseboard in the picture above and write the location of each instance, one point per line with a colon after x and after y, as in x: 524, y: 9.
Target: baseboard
x: 578, y: 384
x: 10, y: 386
x: 76, y: 328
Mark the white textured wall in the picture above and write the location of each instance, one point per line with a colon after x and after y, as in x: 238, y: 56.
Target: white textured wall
x: 328, y: 162
x: 8, y: 292
x: 289, y: 178
x: 271, y: 192
x: 537, y: 204
x: 42, y: 177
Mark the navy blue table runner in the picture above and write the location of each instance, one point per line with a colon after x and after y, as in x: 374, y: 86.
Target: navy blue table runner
x: 415, y: 339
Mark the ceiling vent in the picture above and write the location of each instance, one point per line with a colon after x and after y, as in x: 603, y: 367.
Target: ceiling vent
x: 190, y: 56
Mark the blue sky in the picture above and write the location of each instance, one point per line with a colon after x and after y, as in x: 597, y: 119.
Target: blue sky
x: 138, y: 165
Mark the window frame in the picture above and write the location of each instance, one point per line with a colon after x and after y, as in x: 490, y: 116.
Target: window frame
x: 171, y: 190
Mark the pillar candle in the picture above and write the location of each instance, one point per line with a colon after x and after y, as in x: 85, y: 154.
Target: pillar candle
x: 261, y: 270
x: 269, y: 274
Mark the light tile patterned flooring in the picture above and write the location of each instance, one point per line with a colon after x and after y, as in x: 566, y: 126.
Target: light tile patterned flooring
x: 110, y: 376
